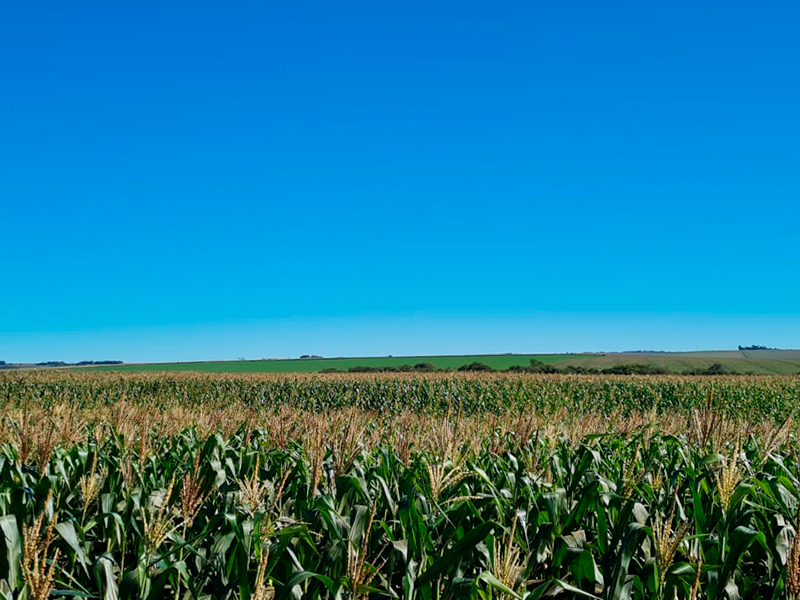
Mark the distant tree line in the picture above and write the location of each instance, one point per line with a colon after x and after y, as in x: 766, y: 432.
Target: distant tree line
x: 714, y: 369
x: 83, y: 363
x: 630, y: 369
x: 99, y: 362
x: 417, y: 368
x: 538, y: 367
x: 755, y: 348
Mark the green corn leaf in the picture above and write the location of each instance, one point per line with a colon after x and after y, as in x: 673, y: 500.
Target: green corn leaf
x: 495, y: 583
x: 13, y: 551
x: 460, y: 549
x: 66, y: 530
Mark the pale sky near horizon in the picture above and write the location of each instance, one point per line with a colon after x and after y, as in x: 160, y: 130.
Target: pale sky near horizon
x: 187, y: 180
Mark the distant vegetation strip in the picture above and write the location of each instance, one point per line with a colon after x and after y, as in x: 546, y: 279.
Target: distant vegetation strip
x: 788, y: 363
x: 59, y: 363
x: 536, y: 366
x: 612, y: 364
x: 499, y: 362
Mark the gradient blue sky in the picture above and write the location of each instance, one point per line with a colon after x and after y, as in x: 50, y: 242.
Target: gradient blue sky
x: 195, y: 180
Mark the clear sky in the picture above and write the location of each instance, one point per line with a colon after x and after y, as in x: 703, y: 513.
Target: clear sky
x: 196, y: 180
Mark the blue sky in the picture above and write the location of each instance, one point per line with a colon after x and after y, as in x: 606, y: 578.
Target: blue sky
x: 192, y: 180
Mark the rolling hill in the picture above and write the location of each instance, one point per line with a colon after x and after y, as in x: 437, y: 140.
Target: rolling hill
x: 766, y: 362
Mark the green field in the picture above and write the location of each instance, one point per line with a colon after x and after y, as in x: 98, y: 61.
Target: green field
x: 761, y: 362
x: 312, y: 365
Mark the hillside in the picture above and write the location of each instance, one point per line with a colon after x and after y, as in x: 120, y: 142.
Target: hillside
x: 762, y: 362
x: 314, y: 365
x: 766, y: 362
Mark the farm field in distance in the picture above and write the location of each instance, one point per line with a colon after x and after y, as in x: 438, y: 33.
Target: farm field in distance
x: 415, y: 486
x: 759, y: 362
x: 314, y: 365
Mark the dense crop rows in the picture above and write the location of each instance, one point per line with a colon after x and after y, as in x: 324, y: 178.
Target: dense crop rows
x: 428, y: 487
x: 751, y: 397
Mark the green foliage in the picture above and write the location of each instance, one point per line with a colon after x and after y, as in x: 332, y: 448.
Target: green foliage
x: 500, y: 362
x: 476, y: 367
x: 583, y: 519
x: 489, y: 512
x: 635, y: 369
x: 713, y: 369
x: 753, y: 398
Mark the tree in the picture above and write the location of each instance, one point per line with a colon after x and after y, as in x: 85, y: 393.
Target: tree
x: 475, y: 366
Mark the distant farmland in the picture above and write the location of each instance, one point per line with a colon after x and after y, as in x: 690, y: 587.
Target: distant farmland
x: 760, y: 362
x: 500, y: 362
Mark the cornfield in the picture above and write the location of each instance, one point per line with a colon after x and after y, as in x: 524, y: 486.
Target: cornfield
x: 429, y: 487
